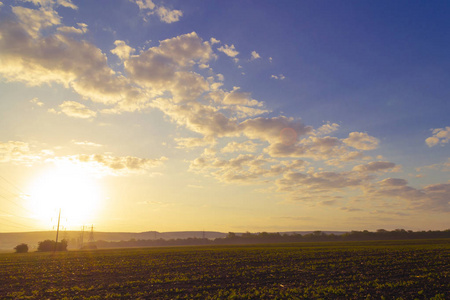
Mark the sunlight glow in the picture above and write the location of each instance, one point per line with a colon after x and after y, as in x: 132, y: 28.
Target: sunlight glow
x: 67, y: 187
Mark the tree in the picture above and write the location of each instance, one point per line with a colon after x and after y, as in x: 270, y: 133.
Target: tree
x: 22, y: 248
x: 49, y: 245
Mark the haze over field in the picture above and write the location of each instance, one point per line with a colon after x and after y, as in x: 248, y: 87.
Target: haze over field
x: 139, y: 115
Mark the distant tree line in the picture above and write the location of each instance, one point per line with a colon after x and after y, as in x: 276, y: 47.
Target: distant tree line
x: 44, y: 246
x: 265, y: 237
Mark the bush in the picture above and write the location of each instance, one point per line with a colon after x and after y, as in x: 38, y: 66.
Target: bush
x: 22, y: 248
x: 49, y: 245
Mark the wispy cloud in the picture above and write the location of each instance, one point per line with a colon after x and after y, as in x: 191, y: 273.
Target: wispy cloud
x: 76, y: 110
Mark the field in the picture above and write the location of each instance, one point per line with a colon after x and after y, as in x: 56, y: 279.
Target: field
x: 344, y: 270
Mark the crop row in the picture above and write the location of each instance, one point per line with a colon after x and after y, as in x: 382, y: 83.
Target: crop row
x: 332, y: 271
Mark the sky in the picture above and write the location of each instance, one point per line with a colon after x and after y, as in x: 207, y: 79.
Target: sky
x: 232, y: 116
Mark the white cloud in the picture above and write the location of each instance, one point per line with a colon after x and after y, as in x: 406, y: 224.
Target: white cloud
x: 76, y: 110
x: 163, y: 68
x: 440, y: 136
x: 71, y: 29
x: 57, y: 58
x: 326, y: 129
x: 104, y: 164
x: 361, y: 141
x: 36, y: 102
x: 277, y: 129
x: 144, y: 4
x: 255, y: 55
x: 235, y: 97
x: 214, y: 41
x: 247, y: 146
x: 278, y: 77
x: 165, y: 14
x: 53, y: 3
x: 13, y: 151
x: 229, y: 50
x: 168, y: 16
x: 34, y: 20
x: 122, y: 50
x: 194, y: 142
x: 198, y: 118
x: 21, y: 153
x: 87, y: 144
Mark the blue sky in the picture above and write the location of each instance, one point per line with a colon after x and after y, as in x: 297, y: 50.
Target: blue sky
x: 224, y: 115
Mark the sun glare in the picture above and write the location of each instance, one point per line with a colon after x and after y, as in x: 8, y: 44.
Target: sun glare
x: 69, y: 188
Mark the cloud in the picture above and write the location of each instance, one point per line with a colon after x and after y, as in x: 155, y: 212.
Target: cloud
x: 165, y: 68
x: 28, y: 57
x: 168, y: 16
x: 312, y: 147
x: 18, y: 152
x: 393, y: 182
x: 244, y: 169
x: 122, y: 50
x: 350, y: 209
x: 435, y: 197
x: 198, y: 118
x: 34, y: 20
x: 443, y: 167
x: 194, y: 142
x: 235, y: 97
x: 104, y: 164
x: 247, y: 146
x: 144, y: 4
x: 440, y: 136
x: 13, y: 151
x: 76, y: 110
x: 87, y: 144
x: 71, y: 29
x: 214, y: 41
x: 165, y: 14
x: 36, y: 101
x: 326, y: 129
x: 278, y: 77
x: 255, y: 55
x: 375, y: 166
x: 318, y: 181
x: 361, y: 141
x: 229, y: 50
x: 274, y: 130
x: 53, y: 3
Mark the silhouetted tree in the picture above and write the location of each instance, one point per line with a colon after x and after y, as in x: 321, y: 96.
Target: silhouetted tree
x: 22, y: 248
x: 49, y: 245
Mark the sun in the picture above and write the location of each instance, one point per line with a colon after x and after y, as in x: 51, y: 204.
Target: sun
x: 70, y: 188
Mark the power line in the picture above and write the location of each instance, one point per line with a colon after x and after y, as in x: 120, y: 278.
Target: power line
x: 15, y: 194
x: 16, y: 225
x: 15, y: 186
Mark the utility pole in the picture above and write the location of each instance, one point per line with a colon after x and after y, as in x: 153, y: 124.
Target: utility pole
x: 91, y: 236
x: 82, y: 237
x: 57, y: 230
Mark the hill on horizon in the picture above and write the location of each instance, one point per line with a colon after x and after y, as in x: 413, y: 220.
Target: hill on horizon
x: 9, y: 240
